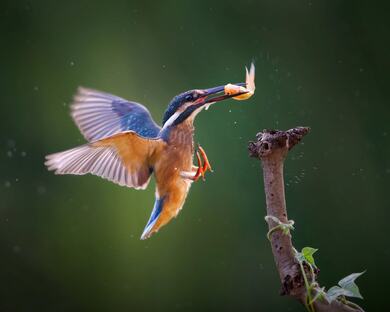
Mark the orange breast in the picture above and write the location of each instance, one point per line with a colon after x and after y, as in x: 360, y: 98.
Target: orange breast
x: 176, y: 157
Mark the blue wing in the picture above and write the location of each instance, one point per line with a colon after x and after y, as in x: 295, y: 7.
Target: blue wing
x: 99, y: 114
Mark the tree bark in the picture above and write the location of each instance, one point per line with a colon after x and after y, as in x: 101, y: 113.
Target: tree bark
x: 271, y: 147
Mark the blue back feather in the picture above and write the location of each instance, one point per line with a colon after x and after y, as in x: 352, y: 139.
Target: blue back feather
x: 100, y: 115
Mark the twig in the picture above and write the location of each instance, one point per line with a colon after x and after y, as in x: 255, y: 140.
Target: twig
x: 271, y: 147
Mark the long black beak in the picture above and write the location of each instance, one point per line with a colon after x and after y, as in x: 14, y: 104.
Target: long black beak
x: 211, y: 95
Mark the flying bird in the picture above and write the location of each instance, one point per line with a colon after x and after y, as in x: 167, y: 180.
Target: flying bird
x: 126, y: 146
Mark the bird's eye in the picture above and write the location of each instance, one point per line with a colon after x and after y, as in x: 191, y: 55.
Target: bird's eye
x: 189, y: 98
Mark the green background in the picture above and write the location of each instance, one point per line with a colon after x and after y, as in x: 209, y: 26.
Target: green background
x: 72, y: 243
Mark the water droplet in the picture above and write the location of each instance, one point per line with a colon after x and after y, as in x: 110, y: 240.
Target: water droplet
x: 9, y: 154
x: 7, y: 184
x: 36, y: 88
x: 41, y: 190
x: 23, y: 154
x: 71, y: 63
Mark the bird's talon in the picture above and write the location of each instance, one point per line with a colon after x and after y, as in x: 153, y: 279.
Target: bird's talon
x: 206, y: 164
x: 199, y: 170
x: 202, y: 167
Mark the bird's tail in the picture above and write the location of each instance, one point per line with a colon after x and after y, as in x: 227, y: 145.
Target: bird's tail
x: 158, y: 206
x: 166, y: 207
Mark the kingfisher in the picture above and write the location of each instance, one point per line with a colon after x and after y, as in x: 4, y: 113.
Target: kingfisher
x: 126, y: 146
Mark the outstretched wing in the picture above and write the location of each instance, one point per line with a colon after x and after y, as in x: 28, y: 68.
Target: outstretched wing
x: 99, y: 115
x: 125, y: 159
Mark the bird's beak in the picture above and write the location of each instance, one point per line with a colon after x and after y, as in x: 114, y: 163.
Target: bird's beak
x: 212, y: 95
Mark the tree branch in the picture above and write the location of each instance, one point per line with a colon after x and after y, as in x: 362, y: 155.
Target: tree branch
x: 271, y: 147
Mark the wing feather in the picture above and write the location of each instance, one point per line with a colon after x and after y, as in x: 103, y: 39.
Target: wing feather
x: 99, y: 115
x: 124, y: 159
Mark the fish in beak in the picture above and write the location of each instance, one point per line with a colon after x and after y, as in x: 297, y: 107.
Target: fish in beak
x: 237, y: 91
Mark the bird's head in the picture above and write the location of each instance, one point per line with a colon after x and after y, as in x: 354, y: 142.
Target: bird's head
x: 187, y: 105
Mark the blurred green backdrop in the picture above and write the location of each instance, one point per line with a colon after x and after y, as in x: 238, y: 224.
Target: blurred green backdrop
x: 72, y: 243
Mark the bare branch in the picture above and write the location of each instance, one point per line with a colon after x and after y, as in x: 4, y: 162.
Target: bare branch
x: 271, y: 147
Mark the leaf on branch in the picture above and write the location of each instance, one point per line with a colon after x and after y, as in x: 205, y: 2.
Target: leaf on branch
x: 308, y: 253
x: 347, y: 288
x: 349, y: 283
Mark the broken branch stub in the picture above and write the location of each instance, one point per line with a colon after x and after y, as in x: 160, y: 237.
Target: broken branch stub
x: 273, y: 141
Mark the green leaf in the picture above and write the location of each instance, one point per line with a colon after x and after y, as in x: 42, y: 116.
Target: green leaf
x: 308, y: 253
x: 348, y: 283
x: 336, y: 291
x: 347, y: 288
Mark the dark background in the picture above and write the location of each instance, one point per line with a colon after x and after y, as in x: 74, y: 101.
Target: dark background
x: 72, y: 243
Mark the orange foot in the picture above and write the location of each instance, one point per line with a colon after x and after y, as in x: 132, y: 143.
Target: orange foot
x: 202, y: 168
